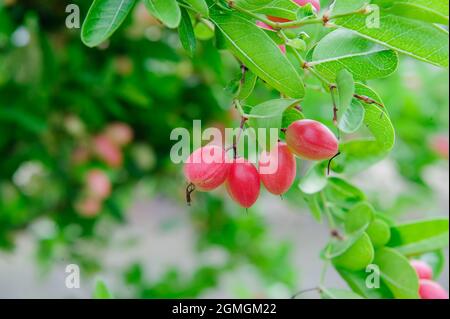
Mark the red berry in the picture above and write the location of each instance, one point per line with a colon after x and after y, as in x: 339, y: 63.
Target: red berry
x: 98, y: 184
x: 431, y: 290
x: 423, y: 270
x: 207, y: 168
x: 243, y: 183
x: 277, y: 169
x: 311, y: 140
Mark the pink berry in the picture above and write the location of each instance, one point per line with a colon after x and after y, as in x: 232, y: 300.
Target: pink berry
x: 423, y: 270
x: 98, y: 184
x: 89, y: 206
x: 311, y: 140
x: 243, y: 183
x: 119, y: 133
x: 431, y: 290
x: 207, y: 167
x: 107, y: 151
x: 277, y: 169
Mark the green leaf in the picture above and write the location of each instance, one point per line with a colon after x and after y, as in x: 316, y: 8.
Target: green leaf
x: 314, y: 180
x: 344, y: 49
x: 345, y: 6
x: 418, y: 39
x: 313, y: 202
x: 397, y: 273
x: 280, y: 8
x: 101, y: 291
x: 337, y: 247
x: 186, y: 32
x: 333, y: 293
x: 259, y: 53
x: 353, y: 118
x: 419, y: 237
x: 269, y: 115
x: 432, y: 11
x: 358, y: 256
x: 168, y: 11
x: 341, y: 192
x: 103, y: 19
x: 359, y: 217
x: 361, y: 153
x: 357, y: 282
x: 247, y: 85
x: 200, y: 6
x: 346, y: 89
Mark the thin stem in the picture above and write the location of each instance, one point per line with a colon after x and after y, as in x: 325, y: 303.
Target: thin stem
x: 304, y: 291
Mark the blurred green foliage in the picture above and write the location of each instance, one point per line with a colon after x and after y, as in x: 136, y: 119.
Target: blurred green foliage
x: 55, y: 94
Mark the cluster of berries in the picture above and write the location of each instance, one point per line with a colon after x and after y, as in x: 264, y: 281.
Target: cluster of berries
x: 108, y: 148
x: 208, y: 167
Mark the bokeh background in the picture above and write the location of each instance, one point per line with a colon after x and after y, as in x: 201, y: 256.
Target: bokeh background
x: 58, y: 101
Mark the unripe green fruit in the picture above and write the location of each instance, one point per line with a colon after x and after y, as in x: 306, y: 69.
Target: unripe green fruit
x: 358, y: 256
x: 379, y: 233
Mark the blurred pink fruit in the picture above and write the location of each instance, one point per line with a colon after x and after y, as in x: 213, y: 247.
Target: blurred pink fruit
x: 120, y: 134
x: 98, y: 184
x: 423, y: 270
x: 89, y: 206
x: 431, y: 290
x: 440, y: 145
x: 282, y: 48
x: 107, y: 151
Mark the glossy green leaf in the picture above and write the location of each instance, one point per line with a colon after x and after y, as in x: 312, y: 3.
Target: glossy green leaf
x: 433, y: 11
x: 397, y: 273
x: 314, y: 180
x: 359, y: 217
x: 419, y: 237
x: 342, y: 193
x: 186, y: 32
x: 353, y: 118
x: 200, y: 6
x: 357, y: 282
x: 168, y: 11
x: 418, y: 39
x: 333, y: 293
x: 313, y: 202
x: 247, y: 85
x: 103, y: 19
x: 346, y: 89
x: 361, y: 153
x: 280, y: 8
x: 344, y: 49
x: 337, y: 247
x: 358, y: 256
x: 258, y: 52
x: 346, y: 6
